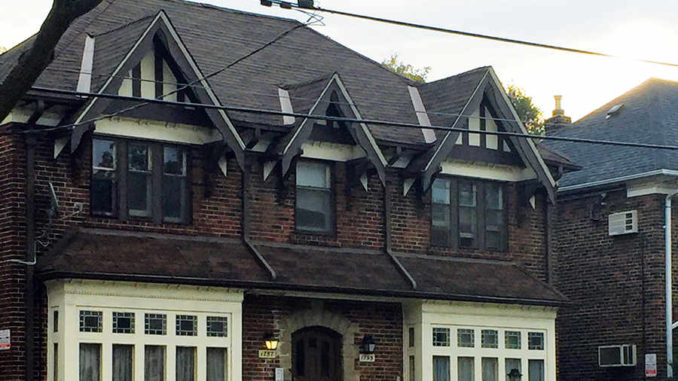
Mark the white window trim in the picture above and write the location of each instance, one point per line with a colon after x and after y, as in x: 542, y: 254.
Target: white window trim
x: 429, y: 314
x: 71, y: 296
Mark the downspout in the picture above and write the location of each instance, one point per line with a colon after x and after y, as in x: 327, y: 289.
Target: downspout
x: 387, y: 240
x: 29, y: 291
x: 548, y: 234
x: 246, y: 224
x: 668, y: 286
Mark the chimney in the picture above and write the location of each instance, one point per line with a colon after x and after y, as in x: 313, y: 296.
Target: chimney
x: 558, y: 119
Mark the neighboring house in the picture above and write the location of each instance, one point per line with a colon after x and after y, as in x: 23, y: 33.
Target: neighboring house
x: 175, y: 241
x: 610, y: 237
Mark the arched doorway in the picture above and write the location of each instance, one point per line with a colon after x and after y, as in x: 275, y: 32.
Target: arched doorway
x: 316, y: 355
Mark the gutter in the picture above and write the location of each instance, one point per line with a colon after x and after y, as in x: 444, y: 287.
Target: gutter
x: 387, y: 240
x: 246, y: 224
x: 659, y: 172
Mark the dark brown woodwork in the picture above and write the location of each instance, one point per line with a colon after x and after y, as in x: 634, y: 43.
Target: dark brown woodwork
x: 316, y: 355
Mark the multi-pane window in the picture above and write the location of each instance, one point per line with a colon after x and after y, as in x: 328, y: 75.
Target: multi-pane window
x: 466, y: 338
x: 441, y: 337
x: 535, y: 340
x: 154, y: 363
x: 468, y: 213
x: 104, y: 177
x: 536, y: 370
x: 216, y: 364
x: 185, y: 364
x: 512, y: 339
x: 314, y: 198
x: 123, y: 322
x: 155, y: 324
x: 490, y: 369
x: 153, y: 181
x: 489, y: 338
x: 187, y: 325
x: 90, y: 321
x: 465, y: 368
x: 217, y: 326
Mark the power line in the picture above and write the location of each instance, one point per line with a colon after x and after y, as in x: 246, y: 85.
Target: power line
x: 469, y: 34
x: 357, y: 120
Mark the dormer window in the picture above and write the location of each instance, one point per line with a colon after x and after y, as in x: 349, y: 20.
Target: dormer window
x: 314, y: 204
x: 140, y: 180
x: 468, y: 213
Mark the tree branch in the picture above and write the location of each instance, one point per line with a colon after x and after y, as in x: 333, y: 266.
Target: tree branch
x: 32, y: 63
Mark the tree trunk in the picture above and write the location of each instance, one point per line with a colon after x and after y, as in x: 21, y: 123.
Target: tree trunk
x: 32, y: 63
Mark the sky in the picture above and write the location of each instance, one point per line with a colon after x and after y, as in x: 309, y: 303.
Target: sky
x: 629, y: 28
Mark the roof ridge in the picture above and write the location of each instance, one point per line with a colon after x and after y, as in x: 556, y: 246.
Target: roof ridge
x: 232, y: 10
x: 123, y: 26
x: 612, y: 102
x: 480, y: 68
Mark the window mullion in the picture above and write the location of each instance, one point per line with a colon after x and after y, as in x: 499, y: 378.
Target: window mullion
x: 156, y: 182
x: 122, y: 169
x: 454, y: 216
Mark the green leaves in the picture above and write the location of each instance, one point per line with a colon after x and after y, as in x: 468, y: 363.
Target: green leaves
x: 395, y: 65
x: 527, y: 111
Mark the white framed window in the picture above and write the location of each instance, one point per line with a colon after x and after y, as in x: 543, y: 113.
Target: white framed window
x: 182, y: 333
x: 314, y: 204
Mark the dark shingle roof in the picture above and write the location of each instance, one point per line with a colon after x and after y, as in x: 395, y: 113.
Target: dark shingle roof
x: 216, y: 37
x: 649, y: 115
x: 119, y: 255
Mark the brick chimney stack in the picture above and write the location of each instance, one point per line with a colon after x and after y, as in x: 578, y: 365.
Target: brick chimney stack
x: 559, y: 119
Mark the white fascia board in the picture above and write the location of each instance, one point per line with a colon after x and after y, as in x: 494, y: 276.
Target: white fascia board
x: 331, y: 151
x: 422, y: 115
x: 523, y: 130
x: 489, y: 172
x: 621, y: 179
x: 158, y: 131
x: 286, y: 106
x: 85, y: 78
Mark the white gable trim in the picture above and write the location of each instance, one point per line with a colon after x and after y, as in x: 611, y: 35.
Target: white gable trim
x: 422, y: 115
x: 286, y: 106
x: 85, y: 79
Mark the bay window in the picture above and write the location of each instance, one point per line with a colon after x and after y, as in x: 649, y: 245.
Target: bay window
x: 314, y: 204
x: 140, y: 180
x: 468, y: 214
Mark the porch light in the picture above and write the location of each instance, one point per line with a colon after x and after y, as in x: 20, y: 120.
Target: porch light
x: 271, y: 341
x: 367, y: 345
x: 514, y: 375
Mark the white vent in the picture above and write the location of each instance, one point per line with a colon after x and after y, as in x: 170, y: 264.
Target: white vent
x: 623, y: 223
x: 617, y: 355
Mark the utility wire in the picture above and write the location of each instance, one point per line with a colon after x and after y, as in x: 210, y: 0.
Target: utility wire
x: 471, y: 34
x: 353, y: 120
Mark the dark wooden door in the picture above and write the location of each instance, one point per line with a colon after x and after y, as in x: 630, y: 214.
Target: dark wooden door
x: 316, y: 355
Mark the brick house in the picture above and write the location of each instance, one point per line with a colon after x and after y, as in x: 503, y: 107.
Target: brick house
x: 614, y: 274
x: 179, y: 240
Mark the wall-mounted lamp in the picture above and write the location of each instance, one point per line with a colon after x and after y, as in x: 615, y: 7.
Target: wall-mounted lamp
x: 271, y: 341
x: 367, y: 345
x: 514, y: 375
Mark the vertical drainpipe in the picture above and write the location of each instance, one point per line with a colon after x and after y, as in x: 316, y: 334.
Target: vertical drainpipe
x: 29, y: 289
x: 669, y: 287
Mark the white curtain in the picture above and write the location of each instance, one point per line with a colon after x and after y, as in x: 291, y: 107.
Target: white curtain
x: 122, y: 362
x: 441, y: 368
x: 154, y: 363
x: 513, y: 364
x: 90, y: 362
x: 466, y: 369
x: 216, y: 364
x: 536, y: 370
x: 185, y: 364
x: 490, y: 369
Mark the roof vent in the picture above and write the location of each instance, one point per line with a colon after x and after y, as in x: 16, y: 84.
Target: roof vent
x: 613, y: 110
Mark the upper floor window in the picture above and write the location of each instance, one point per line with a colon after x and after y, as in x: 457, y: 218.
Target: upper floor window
x: 144, y: 180
x: 314, y: 204
x: 468, y: 213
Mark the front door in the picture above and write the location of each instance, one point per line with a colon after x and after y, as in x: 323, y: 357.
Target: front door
x: 316, y: 355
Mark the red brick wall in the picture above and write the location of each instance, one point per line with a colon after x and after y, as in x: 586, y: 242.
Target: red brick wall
x: 263, y: 314
x: 606, y: 279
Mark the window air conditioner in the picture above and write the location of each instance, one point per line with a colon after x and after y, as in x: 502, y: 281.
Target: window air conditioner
x: 616, y: 355
x: 623, y: 223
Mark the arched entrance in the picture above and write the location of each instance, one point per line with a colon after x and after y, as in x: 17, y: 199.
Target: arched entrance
x: 316, y: 355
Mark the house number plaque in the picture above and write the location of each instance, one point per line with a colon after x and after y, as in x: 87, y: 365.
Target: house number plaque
x: 367, y: 357
x: 267, y: 354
